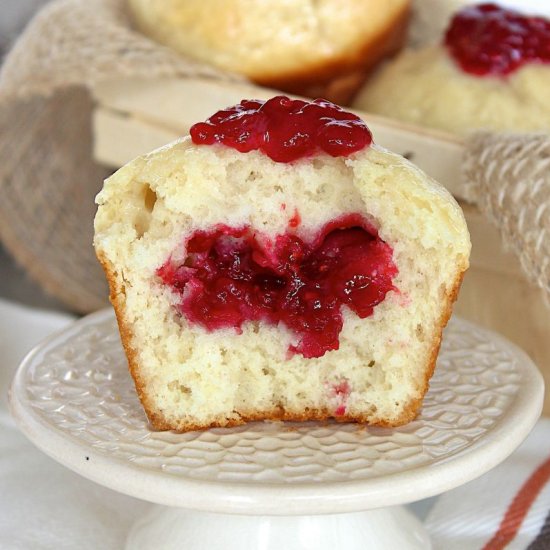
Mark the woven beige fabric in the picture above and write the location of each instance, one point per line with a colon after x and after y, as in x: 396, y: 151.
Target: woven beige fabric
x: 81, y: 42
x: 48, y: 183
x: 47, y: 176
x: 508, y: 177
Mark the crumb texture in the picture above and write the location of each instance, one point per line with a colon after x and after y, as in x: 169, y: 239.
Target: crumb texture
x: 188, y: 377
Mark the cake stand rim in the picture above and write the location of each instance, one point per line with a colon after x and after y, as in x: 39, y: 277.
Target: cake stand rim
x: 258, y: 498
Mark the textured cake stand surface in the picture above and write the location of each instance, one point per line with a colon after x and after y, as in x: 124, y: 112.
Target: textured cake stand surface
x: 74, y: 398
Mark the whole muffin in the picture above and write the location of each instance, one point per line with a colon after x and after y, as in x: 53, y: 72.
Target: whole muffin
x: 491, y: 71
x: 317, y: 49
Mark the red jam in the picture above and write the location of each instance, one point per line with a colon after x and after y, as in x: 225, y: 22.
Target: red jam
x: 489, y: 40
x: 285, y: 129
x: 232, y: 275
x: 341, y: 392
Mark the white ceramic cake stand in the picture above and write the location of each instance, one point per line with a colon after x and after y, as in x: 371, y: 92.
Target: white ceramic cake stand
x: 275, y: 486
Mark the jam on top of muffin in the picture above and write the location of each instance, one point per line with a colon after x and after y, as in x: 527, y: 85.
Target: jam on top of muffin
x: 486, y: 39
x: 285, y: 129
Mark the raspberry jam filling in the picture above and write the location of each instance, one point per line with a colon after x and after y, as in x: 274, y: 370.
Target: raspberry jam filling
x: 285, y: 129
x: 232, y: 275
x: 489, y: 40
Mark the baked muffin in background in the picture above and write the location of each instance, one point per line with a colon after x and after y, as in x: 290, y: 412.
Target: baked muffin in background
x: 279, y: 265
x: 490, y: 71
x: 317, y: 49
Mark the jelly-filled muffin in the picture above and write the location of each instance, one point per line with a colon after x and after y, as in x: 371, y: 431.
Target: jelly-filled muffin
x: 276, y: 264
x: 491, y: 71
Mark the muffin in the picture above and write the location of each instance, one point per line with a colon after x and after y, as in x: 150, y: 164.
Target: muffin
x: 276, y: 264
x: 307, y: 48
x: 490, y: 72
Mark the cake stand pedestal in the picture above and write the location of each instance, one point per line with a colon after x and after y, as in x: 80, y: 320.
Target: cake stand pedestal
x: 267, y: 486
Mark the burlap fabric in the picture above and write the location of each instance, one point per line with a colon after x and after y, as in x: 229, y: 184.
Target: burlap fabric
x: 508, y: 177
x: 48, y: 179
